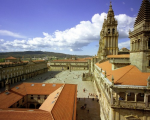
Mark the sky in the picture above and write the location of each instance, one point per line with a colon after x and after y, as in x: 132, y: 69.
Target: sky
x: 62, y: 26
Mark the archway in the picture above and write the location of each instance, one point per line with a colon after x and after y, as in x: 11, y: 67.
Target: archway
x: 37, y: 106
x: 67, y: 68
x: 32, y: 106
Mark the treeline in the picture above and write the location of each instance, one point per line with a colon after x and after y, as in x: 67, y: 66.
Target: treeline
x: 37, y: 54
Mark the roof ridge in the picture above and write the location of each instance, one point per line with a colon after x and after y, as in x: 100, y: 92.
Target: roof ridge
x: 16, y: 92
x: 125, y: 73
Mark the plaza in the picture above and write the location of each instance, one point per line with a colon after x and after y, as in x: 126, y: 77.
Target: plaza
x: 73, y: 77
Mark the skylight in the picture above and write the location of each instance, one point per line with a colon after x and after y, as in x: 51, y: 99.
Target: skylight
x: 53, y: 102
x: 54, y: 85
x: 7, y: 93
x: 17, y: 87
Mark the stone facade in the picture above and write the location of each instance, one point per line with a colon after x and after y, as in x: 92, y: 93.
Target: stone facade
x: 17, y: 71
x: 140, y: 39
x: 120, y: 101
x: 71, y: 64
x: 108, y: 44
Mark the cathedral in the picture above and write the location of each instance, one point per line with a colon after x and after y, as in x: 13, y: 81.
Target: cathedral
x: 109, y: 36
x: 122, y: 81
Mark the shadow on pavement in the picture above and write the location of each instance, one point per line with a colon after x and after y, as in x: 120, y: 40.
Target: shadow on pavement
x: 90, y: 112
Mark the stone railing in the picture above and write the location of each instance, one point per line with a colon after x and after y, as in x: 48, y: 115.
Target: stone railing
x: 119, y: 60
x: 143, y: 28
x: 130, y: 104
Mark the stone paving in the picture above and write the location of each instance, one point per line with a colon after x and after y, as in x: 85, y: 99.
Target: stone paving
x: 73, y: 77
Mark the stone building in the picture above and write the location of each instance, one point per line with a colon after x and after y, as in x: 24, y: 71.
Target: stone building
x: 16, y: 70
x: 122, y: 82
x: 140, y: 39
x: 39, y: 101
x: 108, y: 44
x: 71, y: 64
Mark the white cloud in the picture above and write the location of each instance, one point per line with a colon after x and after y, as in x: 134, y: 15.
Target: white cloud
x: 9, y: 33
x: 1, y: 40
x: 131, y: 9
x: 125, y: 44
x: 73, y: 39
x: 123, y: 2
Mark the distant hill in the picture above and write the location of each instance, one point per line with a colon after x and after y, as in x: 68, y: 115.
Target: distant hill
x: 37, y: 54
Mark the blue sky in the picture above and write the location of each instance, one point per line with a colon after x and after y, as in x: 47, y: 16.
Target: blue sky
x: 64, y: 26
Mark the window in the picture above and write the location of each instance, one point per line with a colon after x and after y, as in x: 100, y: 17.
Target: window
x: 18, y: 104
x: 108, y: 31
x: 38, y: 97
x: 142, y: 94
x: 113, y: 30
x: 45, y: 97
x: 129, y: 94
x: 32, y: 97
x: 149, y: 43
x: 23, y: 100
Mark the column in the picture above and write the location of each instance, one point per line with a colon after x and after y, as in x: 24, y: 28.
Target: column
x: 117, y: 100
x: 112, y: 99
x: 147, y: 44
x: 132, y: 47
x: 146, y: 100
x: 126, y: 97
x: 144, y: 117
x: 117, y: 116
x: 111, y: 116
x: 135, y: 97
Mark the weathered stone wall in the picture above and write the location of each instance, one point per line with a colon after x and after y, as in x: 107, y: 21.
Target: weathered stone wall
x: 139, y: 59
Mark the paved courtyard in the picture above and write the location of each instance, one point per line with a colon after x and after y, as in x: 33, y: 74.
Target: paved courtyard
x: 73, y: 77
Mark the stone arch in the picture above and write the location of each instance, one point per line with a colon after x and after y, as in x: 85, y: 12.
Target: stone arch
x: 108, y: 30
x: 140, y: 97
x: 37, y: 106
x: 122, y: 95
x: 32, y: 106
x: 113, y: 31
x: 131, y: 97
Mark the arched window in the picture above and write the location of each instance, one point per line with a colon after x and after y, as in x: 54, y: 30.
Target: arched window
x: 113, y: 31
x: 108, y: 31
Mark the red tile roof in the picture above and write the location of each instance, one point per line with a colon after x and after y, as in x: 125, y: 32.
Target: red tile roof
x: 66, y: 100
x: 66, y: 104
x: 10, y: 58
x: 119, y: 56
x: 128, y: 75
x: 24, y: 114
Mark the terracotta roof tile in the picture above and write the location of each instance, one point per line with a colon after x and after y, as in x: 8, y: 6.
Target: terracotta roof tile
x: 24, y: 114
x: 8, y: 100
x: 128, y: 75
x: 41, y: 90
x: 63, y: 109
x: 119, y: 56
x: 10, y: 58
x: 64, y: 106
x: 51, y: 100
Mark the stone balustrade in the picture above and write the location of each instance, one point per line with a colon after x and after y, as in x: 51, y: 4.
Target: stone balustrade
x: 143, y: 28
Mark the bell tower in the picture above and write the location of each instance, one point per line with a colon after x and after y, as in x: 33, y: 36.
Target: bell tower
x: 108, y: 44
x: 140, y: 39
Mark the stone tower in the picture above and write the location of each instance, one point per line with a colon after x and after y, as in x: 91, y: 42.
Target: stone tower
x: 108, y: 44
x: 140, y: 39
